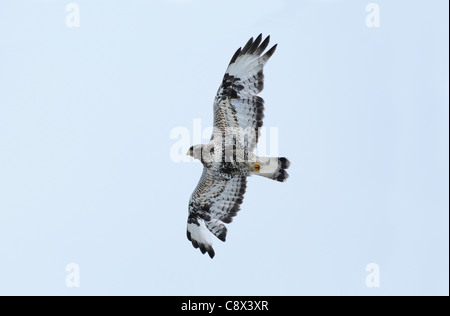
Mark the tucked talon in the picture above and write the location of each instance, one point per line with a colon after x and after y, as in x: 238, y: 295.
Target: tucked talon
x: 257, y: 167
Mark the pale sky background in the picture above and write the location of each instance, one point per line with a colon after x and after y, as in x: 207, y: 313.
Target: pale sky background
x: 85, y: 169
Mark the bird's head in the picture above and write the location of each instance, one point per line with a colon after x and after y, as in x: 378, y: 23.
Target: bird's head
x: 195, y: 152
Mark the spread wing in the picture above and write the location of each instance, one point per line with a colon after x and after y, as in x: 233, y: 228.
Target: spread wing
x: 236, y: 104
x: 214, y: 203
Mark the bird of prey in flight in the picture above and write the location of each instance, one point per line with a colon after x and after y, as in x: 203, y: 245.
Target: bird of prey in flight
x: 228, y: 158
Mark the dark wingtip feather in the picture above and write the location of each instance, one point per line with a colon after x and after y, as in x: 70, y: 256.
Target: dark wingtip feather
x: 235, y: 56
x: 202, y: 248
x: 188, y: 234
x: 222, y: 236
x: 247, y: 46
x: 263, y: 46
x: 255, y: 45
x: 270, y: 52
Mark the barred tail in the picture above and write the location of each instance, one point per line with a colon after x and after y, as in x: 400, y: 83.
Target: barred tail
x: 272, y: 168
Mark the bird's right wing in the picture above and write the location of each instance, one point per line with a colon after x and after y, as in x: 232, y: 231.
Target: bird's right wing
x: 214, y: 202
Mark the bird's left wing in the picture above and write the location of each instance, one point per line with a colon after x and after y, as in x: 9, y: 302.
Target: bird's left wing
x: 237, y: 105
x: 214, y: 202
